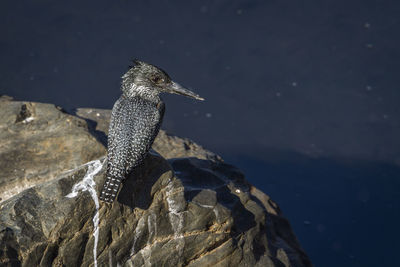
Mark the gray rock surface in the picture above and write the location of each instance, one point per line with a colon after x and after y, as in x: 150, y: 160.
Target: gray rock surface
x: 189, y: 210
x: 38, y: 142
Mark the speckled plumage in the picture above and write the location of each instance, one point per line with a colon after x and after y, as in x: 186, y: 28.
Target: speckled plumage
x: 135, y: 121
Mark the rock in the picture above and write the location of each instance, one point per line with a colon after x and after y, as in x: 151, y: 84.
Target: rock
x: 38, y: 142
x: 185, y: 211
x: 5, y: 98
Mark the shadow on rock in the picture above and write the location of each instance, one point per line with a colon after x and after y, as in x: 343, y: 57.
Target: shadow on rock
x: 93, y: 119
x: 215, y: 183
x: 138, y: 188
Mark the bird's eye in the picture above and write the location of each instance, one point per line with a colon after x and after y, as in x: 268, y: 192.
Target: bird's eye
x: 157, y: 79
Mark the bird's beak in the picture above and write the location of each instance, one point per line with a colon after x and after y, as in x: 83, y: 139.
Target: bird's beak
x: 176, y: 88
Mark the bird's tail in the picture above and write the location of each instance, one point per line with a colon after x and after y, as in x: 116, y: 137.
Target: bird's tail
x: 110, y: 189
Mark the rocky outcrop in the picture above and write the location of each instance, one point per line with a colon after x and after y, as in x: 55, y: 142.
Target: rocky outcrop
x: 38, y: 142
x: 185, y: 207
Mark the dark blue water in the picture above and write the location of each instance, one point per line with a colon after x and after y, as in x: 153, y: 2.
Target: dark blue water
x: 303, y: 96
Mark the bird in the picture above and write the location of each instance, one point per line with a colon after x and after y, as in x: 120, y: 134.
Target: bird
x: 135, y: 121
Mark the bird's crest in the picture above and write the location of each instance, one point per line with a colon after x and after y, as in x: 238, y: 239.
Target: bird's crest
x: 136, y: 62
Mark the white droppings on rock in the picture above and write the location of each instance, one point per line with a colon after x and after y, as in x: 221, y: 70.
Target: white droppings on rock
x: 29, y: 119
x: 138, y: 233
x: 146, y: 254
x: 204, y: 206
x: 216, y: 213
x: 175, y: 215
x: 88, y: 184
x: 152, y: 225
x: 174, y: 206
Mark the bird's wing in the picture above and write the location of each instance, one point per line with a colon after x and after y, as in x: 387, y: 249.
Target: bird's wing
x: 145, y: 124
x: 133, y: 128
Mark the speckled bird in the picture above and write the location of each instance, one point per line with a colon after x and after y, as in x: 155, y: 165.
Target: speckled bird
x: 135, y: 121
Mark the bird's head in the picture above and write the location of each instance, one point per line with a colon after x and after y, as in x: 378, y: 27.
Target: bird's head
x: 148, y: 81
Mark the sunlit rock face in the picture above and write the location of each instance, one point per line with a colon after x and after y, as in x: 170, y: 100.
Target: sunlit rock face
x: 38, y: 142
x: 181, y: 211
